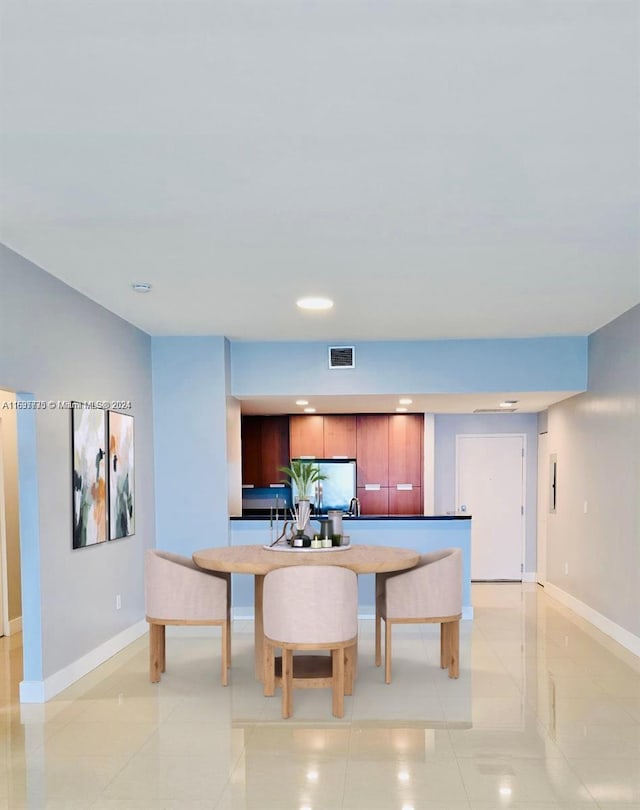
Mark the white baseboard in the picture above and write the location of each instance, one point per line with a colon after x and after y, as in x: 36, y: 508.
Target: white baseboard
x: 15, y: 626
x: 628, y: 640
x: 41, y: 691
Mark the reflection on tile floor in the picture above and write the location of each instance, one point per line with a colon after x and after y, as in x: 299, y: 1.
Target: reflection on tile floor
x: 545, y: 716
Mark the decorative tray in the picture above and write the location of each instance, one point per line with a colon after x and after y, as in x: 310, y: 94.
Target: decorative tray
x: 297, y: 550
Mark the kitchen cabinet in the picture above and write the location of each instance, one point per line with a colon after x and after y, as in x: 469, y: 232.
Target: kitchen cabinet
x: 405, y: 448
x: 265, y: 448
x: 372, y: 446
x: 322, y: 436
x: 373, y: 501
x: 306, y: 436
x: 388, y: 449
x: 405, y: 501
x: 389, y: 453
x: 340, y: 435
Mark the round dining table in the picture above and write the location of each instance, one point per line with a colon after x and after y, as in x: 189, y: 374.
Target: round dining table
x: 259, y: 560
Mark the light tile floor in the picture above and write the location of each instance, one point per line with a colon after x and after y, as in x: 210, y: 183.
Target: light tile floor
x: 545, y: 716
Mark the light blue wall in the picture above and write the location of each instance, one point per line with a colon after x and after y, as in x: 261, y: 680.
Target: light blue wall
x: 190, y: 377
x: 448, y: 426
x: 421, y: 535
x: 445, y: 366
x: 29, y: 543
x: 56, y: 344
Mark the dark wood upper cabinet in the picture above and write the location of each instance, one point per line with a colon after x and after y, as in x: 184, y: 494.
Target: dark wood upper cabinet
x: 372, y: 449
x: 265, y: 448
x: 322, y: 436
x: 340, y: 435
x: 306, y: 436
x: 405, y: 448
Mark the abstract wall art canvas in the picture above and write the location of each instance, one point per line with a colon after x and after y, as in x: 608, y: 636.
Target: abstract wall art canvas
x: 88, y: 448
x: 121, y: 474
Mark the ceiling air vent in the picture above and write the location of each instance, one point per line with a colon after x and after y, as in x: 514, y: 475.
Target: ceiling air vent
x: 342, y: 357
x: 495, y: 410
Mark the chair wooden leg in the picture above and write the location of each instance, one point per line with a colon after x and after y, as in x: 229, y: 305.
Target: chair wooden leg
x: 444, y: 636
x: 229, y: 622
x: 350, y: 658
x: 337, y: 679
x: 454, y: 649
x: 225, y: 653
x: 387, y: 651
x: 156, y: 651
x: 269, y: 675
x: 378, y: 638
x: 163, y: 647
x: 287, y: 683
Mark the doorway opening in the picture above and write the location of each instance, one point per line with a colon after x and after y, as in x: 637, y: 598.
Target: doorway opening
x: 10, y: 563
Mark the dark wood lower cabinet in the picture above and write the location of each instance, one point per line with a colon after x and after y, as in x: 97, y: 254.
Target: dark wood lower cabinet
x: 405, y: 501
x: 373, y: 501
x: 390, y: 501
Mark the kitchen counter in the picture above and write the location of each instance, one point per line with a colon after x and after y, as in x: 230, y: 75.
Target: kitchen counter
x: 265, y: 515
x: 423, y: 533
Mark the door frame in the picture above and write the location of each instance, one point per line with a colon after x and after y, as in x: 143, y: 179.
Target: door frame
x: 523, y: 493
x: 4, y: 582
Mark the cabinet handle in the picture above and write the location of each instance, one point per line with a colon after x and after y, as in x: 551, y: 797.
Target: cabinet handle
x: 248, y: 486
x: 404, y: 486
x: 277, y: 486
x: 372, y: 487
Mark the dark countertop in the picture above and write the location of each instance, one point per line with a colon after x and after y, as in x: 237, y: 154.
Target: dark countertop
x: 256, y: 515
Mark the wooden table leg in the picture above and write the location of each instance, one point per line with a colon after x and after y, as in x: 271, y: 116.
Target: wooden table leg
x: 258, y: 642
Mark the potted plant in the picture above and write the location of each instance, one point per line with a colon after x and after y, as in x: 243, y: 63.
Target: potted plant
x: 305, y: 475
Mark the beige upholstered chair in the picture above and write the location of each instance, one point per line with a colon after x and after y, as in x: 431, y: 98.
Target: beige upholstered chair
x: 178, y: 592
x: 430, y: 592
x: 310, y: 608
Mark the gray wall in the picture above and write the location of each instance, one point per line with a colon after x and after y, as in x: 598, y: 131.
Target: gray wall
x: 59, y: 345
x: 448, y: 426
x: 596, y: 436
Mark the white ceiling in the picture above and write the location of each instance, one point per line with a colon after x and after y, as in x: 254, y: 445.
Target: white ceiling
x: 442, y: 169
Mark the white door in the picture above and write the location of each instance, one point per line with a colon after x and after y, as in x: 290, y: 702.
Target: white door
x: 490, y: 488
x: 543, y: 508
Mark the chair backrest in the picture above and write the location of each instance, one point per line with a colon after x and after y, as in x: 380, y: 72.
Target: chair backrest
x: 176, y: 589
x: 433, y: 588
x: 310, y: 604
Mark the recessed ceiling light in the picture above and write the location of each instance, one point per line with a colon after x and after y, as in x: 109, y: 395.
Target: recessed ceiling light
x: 302, y: 401
x: 405, y: 401
x: 309, y: 410
x: 314, y: 302
x: 402, y: 410
x: 141, y: 286
x: 508, y: 403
